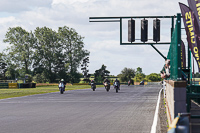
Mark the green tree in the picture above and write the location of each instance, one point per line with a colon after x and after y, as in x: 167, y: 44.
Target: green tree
x: 139, y: 75
x: 20, y: 51
x: 28, y: 78
x: 100, y: 74
x: 40, y: 78
x: 84, y: 69
x: 48, y: 52
x: 3, y: 67
x: 75, y: 77
x: 139, y: 70
x: 153, y: 77
x: 12, y: 73
x: 126, y: 74
x: 74, y: 51
x: 53, y: 54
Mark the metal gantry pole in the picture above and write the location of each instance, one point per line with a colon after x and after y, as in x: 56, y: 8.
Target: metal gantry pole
x: 172, y: 28
x: 179, y: 47
x: 119, y: 19
x: 120, y: 30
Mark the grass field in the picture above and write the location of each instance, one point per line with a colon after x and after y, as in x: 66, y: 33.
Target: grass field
x: 9, y: 93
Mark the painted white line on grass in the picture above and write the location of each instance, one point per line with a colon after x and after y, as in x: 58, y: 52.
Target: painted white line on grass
x: 153, y: 127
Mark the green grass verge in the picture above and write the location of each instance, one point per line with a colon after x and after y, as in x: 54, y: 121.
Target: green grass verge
x: 9, y: 93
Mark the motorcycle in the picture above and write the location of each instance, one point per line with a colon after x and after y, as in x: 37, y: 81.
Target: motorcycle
x: 142, y: 82
x: 93, y: 86
x: 61, y: 88
x: 107, y: 86
x: 116, y: 86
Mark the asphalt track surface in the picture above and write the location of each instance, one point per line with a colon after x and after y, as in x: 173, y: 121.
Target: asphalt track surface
x: 81, y: 111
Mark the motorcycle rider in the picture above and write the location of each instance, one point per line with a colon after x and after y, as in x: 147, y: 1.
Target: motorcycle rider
x: 93, y: 85
x: 62, y: 81
x: 92, y: 81
x: 116, y: 80
x: 142, y: 82
x: 106, y: 80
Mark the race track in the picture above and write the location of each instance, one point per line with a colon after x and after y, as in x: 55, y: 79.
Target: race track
x: 81, y: 111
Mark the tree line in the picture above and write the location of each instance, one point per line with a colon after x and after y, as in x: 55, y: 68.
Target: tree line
x: 137, y: 75
x: 44, y: 54
x: 125, y: 75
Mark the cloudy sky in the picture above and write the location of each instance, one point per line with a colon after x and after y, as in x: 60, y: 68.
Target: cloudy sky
x: 101, y: 39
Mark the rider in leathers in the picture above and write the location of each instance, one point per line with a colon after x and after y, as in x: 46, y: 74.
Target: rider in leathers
x: 116, y: 80
x: 62, y: 81
x: 106, y: 80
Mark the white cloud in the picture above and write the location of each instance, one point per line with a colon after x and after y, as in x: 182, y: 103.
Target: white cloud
x: 101, y: 39
x: 15, y: 6
x: 5, y: 23
x: 69, y: 1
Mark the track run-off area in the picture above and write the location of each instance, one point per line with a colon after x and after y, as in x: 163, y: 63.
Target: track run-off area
x: 82, y: 111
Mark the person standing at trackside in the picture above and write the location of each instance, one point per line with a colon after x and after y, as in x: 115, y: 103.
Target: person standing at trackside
x: 165, y: 73
x: 167, y: 67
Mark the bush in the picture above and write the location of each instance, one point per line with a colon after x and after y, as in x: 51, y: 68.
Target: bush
x: 154, y: 77
x: 28, y: 78
x: 40, y: 78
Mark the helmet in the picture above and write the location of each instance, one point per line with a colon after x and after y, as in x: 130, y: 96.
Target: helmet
x: 116, y: 79
x: 62, y: 80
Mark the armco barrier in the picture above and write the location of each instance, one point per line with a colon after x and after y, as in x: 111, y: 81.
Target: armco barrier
x: 48, y: 84
x: 20, y: 85
x: 17, y: 85
x: 33, y: 85
x: 88, y: 83
x: 26, y: 85
x: 80, y: 83
x: 3, y: 85
x: 12, y: 85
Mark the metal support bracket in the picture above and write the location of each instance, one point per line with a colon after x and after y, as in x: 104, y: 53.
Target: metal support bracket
x: 158, y: 51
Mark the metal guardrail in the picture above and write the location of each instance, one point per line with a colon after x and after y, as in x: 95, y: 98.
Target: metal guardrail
x: 17, y: 85
x: 12, y: 85
x: 3, y: 85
